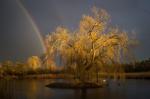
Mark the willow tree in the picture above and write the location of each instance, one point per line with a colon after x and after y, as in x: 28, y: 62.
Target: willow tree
x: 34, y: 62
x: 94, y: 47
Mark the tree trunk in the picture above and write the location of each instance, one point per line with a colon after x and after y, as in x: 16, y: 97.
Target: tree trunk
x: 97, y: 77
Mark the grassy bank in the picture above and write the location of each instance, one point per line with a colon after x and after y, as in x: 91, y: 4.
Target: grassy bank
x: 34, y: 76
x: 140, y: 75
x: 133, y: 75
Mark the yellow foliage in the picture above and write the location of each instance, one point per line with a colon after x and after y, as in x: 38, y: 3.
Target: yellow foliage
x: 94, y: 44
x: 34, y: 62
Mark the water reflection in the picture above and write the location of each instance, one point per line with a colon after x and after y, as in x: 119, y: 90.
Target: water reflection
x: 23, y: 89
x: 35, y: 89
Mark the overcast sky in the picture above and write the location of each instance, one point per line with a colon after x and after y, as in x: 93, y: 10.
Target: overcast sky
x: 18, y: 39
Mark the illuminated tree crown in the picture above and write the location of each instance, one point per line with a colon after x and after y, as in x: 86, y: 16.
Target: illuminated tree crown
x: 94, y: 46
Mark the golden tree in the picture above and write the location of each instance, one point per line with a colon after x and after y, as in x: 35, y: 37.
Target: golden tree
x: 95, y: 47
x: 34, y: 62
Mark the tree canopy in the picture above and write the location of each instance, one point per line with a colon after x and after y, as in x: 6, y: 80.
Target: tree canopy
x: 94, y: 46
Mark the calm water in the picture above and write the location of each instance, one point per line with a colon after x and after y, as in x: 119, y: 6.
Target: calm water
x: 35, y: 89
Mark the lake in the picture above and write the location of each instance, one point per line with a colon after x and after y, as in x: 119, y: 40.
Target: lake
x: 35, y: 89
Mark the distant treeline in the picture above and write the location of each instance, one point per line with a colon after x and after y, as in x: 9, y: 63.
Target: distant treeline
x: 19, y: 68
x: 31, y: 67
x: 140, y: 66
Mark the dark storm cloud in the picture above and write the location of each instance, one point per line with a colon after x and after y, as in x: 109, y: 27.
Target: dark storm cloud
x: 129, y: 15
x: 17, y: 38
x: 44, y: 13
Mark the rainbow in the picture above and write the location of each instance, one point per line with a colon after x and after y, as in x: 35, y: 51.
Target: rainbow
x: 34, y: 26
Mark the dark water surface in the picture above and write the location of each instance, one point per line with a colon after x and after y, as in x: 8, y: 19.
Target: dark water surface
x: 35, y: 89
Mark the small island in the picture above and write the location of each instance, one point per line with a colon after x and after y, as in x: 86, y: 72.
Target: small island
x: 75, y: 85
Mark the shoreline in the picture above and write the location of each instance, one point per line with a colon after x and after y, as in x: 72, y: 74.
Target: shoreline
x: 139, y: 75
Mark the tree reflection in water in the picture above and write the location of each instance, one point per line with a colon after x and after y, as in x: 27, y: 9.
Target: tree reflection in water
x: 35, y: 89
